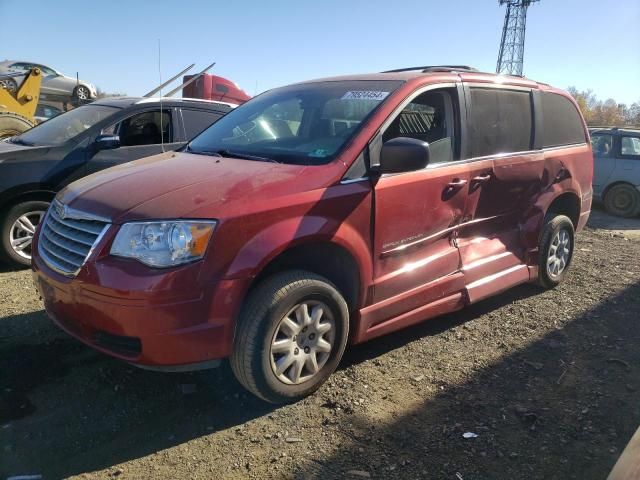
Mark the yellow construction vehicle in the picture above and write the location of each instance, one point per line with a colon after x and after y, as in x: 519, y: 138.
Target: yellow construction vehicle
x: 17, y: 108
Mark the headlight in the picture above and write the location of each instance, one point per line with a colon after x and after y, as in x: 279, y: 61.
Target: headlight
x: 163, y: 244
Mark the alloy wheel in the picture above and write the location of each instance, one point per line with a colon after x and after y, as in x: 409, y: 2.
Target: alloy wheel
x: 22, y: 231
x: 82, y: 93
x: 302, y: 342
x: 559, y: 253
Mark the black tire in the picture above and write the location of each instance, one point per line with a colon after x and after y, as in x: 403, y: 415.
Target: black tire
x: 622, y: 200
x: 554, y: 226
x: 13, y: 124
x: 7, y: 252
x: 259, y: 320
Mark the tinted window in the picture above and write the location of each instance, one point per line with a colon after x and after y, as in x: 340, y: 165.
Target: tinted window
x: 427, y: 118
x: 146, y: 128
x: 195, y: 121
x: 562, y: 122
x: 308, y: 123
x: 500, y: 121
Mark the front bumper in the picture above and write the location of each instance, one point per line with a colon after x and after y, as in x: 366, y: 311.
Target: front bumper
x: 164, y: 319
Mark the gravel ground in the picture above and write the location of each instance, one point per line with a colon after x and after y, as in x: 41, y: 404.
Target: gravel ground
x: 548, y: 383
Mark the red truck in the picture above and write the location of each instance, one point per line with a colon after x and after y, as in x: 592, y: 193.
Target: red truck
x: 319, y: 214
x: 214, y: 87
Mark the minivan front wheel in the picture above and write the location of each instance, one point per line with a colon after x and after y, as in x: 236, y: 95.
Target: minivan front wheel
x: 623, y: 200
x: 555, y: 250
x: 290, y: 336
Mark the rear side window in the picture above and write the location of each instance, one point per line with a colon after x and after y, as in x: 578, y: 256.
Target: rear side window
x: 500, y: 121
x: 196, y: 121
x: 630, y: 146
x: 562, y: 122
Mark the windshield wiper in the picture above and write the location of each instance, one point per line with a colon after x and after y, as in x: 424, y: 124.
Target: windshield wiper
x: 229, y: 154
x: 246, y: 156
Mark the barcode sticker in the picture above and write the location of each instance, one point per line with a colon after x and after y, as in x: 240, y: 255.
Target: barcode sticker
x: 365, y: 95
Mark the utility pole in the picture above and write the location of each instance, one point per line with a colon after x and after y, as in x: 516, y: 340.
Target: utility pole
x: 511, y: 56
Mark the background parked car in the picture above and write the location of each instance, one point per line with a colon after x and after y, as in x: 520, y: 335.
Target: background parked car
x: 105, y: 133
x: 45, y: 112
x: 616, y: 179
x: 53, y: 82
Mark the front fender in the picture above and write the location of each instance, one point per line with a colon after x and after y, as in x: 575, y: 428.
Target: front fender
x: 260, y: 250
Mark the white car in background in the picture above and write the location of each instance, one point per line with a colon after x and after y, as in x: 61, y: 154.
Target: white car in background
x: 54, y: 83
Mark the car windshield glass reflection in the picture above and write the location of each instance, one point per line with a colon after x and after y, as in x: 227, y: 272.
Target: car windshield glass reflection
x: 305, y: 124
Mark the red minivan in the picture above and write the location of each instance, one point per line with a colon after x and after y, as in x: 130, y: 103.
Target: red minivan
x: 319, y: 214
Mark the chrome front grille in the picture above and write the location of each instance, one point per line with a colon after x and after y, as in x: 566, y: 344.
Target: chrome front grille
x: 67, y: 237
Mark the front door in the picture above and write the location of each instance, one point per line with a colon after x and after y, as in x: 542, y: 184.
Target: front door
x: 141, y: 135
x: 416, y: 261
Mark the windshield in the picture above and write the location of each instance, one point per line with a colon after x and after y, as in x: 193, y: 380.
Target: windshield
x: 66, y: 126
x: 306, y: 124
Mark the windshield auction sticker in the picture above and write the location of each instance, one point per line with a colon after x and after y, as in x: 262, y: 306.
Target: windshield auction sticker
x: 365, y: 95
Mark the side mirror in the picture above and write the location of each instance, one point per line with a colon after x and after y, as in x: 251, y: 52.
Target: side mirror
x: 107, y: 142
x: 403, y: 154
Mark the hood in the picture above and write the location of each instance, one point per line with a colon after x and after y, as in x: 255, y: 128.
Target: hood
x: 17, y: 156
x: 179, y: 185
x: 8, y: 148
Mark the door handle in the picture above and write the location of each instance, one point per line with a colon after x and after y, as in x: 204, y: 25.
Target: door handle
x: 457, y: 183
x: 481, y: 178
x: 452, y: 188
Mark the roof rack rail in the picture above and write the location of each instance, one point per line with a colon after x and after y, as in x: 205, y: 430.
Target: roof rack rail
x: 435, y: 68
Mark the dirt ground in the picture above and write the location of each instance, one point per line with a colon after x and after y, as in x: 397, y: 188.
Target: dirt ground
x: 548, y: 381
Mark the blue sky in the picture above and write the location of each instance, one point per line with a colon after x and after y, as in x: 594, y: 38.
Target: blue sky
x: 262, y: 44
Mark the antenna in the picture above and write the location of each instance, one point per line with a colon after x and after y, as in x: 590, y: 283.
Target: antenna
x: 161, y: 111
x: 511, y: 55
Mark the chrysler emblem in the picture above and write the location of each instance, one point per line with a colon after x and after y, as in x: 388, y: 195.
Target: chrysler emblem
x: 61, y: 210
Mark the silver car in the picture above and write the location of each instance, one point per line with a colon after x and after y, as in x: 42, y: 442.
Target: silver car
x: 54, y: 83
x: 616, y: 176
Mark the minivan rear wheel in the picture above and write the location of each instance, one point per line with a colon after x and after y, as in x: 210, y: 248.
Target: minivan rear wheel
x: 623, y: 200
x: 290, y: 336
x: 555, y: 250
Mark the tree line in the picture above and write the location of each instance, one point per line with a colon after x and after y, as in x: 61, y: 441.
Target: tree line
x: 607, y: 112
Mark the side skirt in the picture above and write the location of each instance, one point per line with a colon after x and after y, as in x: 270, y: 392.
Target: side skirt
x: 369, y: 324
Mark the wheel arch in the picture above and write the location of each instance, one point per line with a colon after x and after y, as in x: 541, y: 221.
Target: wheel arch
x: 322, y: 257
x: 25, y: 193
x: 567, y: 203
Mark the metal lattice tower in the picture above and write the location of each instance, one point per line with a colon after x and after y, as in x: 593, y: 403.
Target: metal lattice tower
x: 511, y: 54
